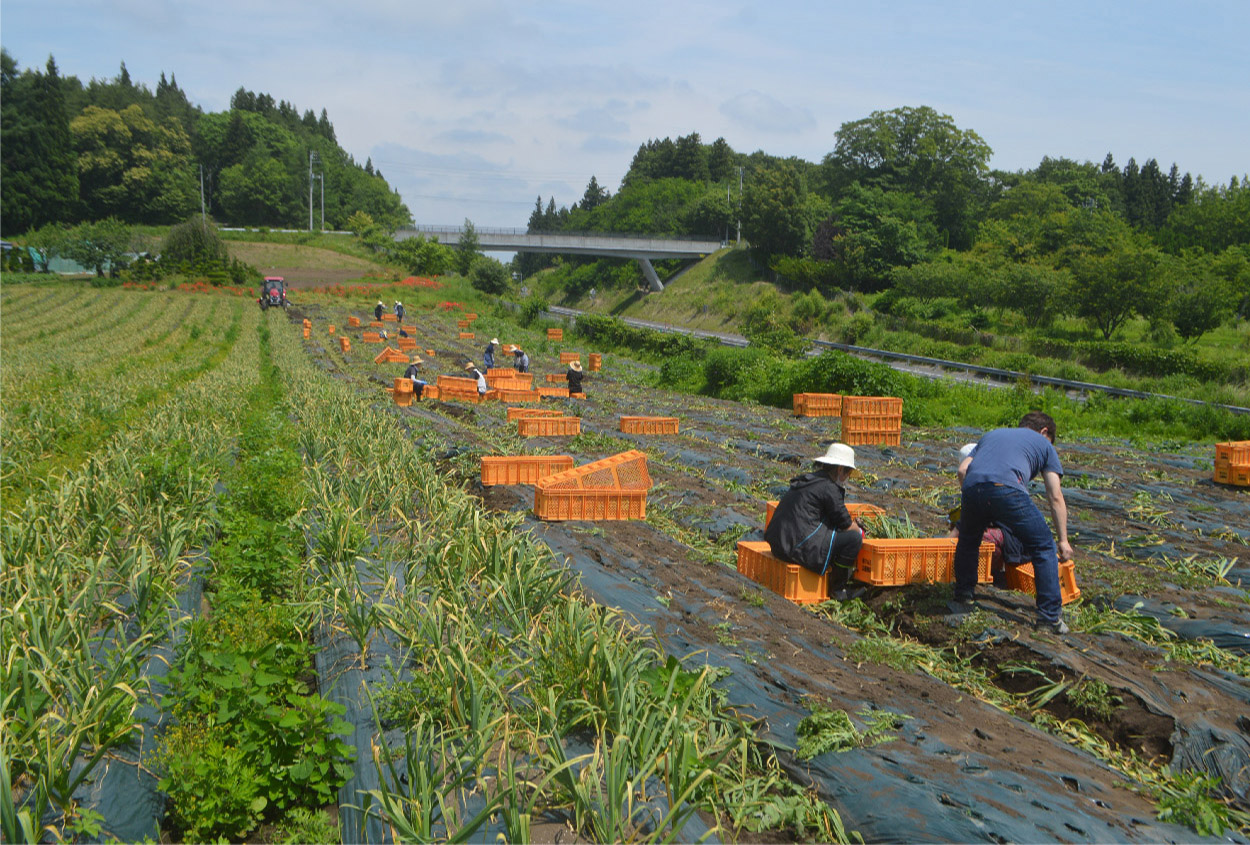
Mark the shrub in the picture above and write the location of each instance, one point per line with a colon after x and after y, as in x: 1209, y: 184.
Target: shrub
x: 213, y: 789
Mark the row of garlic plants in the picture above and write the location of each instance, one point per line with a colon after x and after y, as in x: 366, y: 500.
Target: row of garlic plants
x: 92, y: 564
x: 81, y: 320
x: 51, y: 421
x: 518, y: 699
x: 251, y: 741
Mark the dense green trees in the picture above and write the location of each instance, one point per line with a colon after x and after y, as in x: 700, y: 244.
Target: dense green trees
x: 113, y: 148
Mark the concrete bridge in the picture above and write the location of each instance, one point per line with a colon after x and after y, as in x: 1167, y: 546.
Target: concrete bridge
x: 641, y: 248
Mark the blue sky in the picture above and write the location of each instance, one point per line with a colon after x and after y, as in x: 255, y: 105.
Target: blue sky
x: 472, y: 108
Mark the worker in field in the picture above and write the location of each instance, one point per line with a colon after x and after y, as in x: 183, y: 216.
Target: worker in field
x: 995, y: 491
x: 575, y: 376
x: 811, y: 525
x: 399, y: 311
x: 488, y: 357
x: 522, y: 361
x: 1008, y: 550
x: 413, y: 372
x: 475, y: 373
x: 377, y: 311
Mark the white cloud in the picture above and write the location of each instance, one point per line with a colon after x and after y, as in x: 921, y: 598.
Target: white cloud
x: 757, y: 111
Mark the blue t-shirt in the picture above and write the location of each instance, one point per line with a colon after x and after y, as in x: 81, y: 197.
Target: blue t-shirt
x: 1013, y: 456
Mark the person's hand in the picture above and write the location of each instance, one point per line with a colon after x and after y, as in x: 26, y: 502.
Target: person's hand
x: 1065, y: 551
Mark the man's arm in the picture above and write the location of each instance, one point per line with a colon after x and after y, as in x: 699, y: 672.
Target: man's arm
x: 963, y: 469
x: 1059, y: 511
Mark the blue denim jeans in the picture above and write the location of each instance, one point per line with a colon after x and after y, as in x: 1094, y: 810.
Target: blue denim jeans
x: 1013, y: 509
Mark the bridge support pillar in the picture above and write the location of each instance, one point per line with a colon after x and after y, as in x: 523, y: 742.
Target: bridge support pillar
x: 649, y: 272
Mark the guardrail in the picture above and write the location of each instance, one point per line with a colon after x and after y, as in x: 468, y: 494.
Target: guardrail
x: 988, y: 372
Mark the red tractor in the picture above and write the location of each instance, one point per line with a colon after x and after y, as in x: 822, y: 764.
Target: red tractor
x: 273, y: 293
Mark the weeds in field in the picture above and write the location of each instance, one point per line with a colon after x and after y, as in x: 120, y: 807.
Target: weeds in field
x: 1146, y: 508
x: 832, y: 730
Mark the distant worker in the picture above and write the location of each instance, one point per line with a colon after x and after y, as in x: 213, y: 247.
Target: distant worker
x: 522, y: 362
x: 575, y: 376
x: 488, y: 357
x: 811, y: 525
x: 399, y: 311
x: 994, y: 491
x: 412, y: 373
x: 377, y: 310
x: 1008, y: 550
x: 477, y: 374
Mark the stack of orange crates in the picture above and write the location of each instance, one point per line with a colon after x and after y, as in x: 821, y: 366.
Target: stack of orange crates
x: 817, y: 404
x: 467, y: 335
x: 1022, y: 578
x: 389, y: 355
x: 555, y: 334
x: 353, y: 322
x: 596, y: 361
x: 408, y: 329
x: 402, y: 391
x: 463, y: 324
x: 371, y: 337
x: 470, y: 316
x: 1232, y: 463
x: 649, y: 425
x: 522, y: 469
x: 345, y: 344
x: 611, y: 488
x: 390, y: 318
x: 872, y: 420
x: 406, y: 343
x: 331, y: 328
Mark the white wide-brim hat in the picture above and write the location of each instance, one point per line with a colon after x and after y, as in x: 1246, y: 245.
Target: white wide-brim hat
x: 575, y: 365
x: 838, y: 455
x: 494, y: 340
x: 966, y: 450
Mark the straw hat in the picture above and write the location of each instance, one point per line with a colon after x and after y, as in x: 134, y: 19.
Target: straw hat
x: 837, y: 455
x: 379, y: 302
x: 469, y: 366
x: 417, y: 359
x: 494, y: 340
x: 575, y: 365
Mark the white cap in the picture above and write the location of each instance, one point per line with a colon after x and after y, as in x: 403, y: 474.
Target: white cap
x: 966, y: 450
x: 838, y: 455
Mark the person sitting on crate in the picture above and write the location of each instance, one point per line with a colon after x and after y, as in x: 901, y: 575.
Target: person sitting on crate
x: 399, y: 311
x: 414, y: 370
x: 522, y: 362
x: 575, y: 376
x: 811, y: 525
x: 488, y: 357
x: 1008, y: 550
x: 475, y: 373
x: 377, y: 310
x: 994, y: 490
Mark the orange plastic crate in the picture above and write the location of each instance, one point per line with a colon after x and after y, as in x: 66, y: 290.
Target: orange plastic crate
x: 430, y: 391
x: 555, y: 334
x: 872, y: 438
x: 856, y: 509
x: 577, y: 395
x: 517, y: 413
x: 549, y: 426
x: 403, y: 399
x: 463, y: 324
x: 307, y: 323
x: 470, y: 316
x: 376, y: 324
x: 389, y: 355
x: 503, y: 372
x: 467, y: 335
x: 345, y: 345
x: 871, y: 406
x: 331, y: 328
x: 307, y: 333
x: 590, y: 504
x: 1234, y: 474
x: 504, y: 383
x: 649, y: 425
x: 622, y: 471
x: 518, y: 395
x: 557, y: 377
x: 1236, y: 452
x: 889, y: 563
x: 409, y: 329
x: 430, y: 352
x: 1021, y: 578
x: 596, y: 360
x: 554, y: 392
x: 406, y: 343
x: 457, y: 382
x: 817, y: 404
x: 874, y: 423
x: 371, y: 337
x: 461, y: 395
x: 389, y: 318
x: 789, y: 580
x: 403, y: 385
x: 522, y: 469
x: 570, y: 357
x: 353, y: 321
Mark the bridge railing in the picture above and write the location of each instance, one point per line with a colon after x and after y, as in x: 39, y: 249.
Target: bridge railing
x: 484, y: 230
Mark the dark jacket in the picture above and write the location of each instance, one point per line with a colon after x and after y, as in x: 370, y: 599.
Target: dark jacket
x: 377, y: 312
x: 522, y: 362
x: 488, y: 357
x: 399, y: 313
x: 575, y: 381
x: 803, y: 525
x: 413, y: 371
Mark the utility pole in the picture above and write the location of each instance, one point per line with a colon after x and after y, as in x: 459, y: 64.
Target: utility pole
x: 311, y: 153
x: 739, y: 205
x: 321, y: 177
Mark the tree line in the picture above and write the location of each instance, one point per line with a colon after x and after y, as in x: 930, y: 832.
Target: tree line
x: 906, y: 202
x: 114, y: 149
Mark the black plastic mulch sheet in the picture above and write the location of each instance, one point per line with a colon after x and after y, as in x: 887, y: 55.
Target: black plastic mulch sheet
x: 893, y: 792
